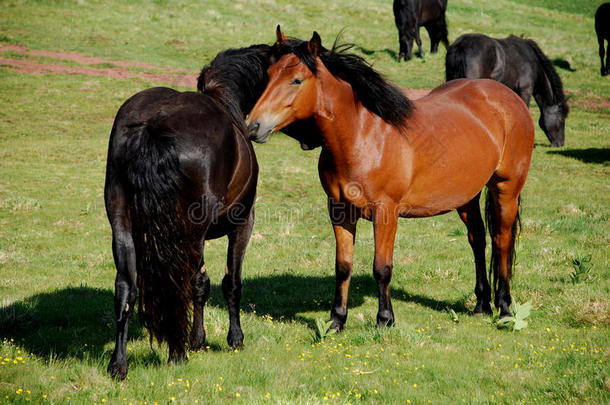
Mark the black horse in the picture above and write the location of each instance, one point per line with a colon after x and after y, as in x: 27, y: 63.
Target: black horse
x: 181, y: 171
x: 602, y: 29
x: 409, y: 15
x: 519, y: 64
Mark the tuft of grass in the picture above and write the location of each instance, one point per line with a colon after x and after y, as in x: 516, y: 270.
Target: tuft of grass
x: 581, y: 268
x: 458, y: 232
x: 517, y: 321
x: 452, y: 315
x: 322, y: 330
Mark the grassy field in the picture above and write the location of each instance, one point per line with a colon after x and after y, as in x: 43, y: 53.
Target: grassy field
x: 57, y: 272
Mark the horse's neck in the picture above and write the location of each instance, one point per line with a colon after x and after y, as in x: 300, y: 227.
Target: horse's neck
x: 348, y: 128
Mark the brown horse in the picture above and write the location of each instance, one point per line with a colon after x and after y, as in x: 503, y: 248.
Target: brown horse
x: 385, y: 157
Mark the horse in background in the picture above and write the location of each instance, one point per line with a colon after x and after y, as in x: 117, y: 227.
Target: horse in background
x: 385, y: 156
x: 602, y: 29
x: 409, y: 15
x: 181, y: 170
x: 519, y: 64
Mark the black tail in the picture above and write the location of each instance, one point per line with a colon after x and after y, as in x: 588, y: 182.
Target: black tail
x: 492, y: 224
x: 558, y: 97
x: 455, y: 62
x: 164, y: 256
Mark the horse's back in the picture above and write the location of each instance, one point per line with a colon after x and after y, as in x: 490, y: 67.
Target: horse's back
x: 461, y: 134
x: 488, y: 105
x: 471, y: 56
x: 200, y: 133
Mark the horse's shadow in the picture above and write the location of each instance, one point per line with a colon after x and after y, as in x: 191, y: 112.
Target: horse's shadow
x: 287, y: 296
x: 72, y: 322
x: 589, y: 155
x: 78, y: 322
x: 563, y: 64
x: 391, y: 53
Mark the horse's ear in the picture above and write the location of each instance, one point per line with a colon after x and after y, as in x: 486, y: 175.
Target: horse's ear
x: 315, y: 44
x: 280, y: 37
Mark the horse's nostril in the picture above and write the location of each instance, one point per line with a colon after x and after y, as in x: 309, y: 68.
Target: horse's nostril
x: 253, y: 128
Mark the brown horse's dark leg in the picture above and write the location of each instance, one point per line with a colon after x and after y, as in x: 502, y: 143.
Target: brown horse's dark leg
x: 125, y: 289
x: 231, y: 282
x: 201, y: 292
x: 385, y: 222
x: 344, y: 226
x: 506, y: 209
x: 471, y: 216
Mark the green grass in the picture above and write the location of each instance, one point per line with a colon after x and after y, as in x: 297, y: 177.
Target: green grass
x: 56, y: 267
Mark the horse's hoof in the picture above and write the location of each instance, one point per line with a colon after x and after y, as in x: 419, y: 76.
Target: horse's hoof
x: 117, y: 370
x: 235, y: 339
x: 483, y: 309
x: 385, y: 318
x: 197, y: 343
x: 337, y: 325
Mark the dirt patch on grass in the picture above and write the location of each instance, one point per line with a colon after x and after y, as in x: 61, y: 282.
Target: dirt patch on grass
x: 588, y: 101
x: 83, y: 59
x: 118, y: 69
x: 33, y: 67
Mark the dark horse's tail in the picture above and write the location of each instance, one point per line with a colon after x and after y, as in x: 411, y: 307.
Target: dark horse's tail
x: 552, y: 76
x: 492, y: 224
x: 455, y: 62
x: 164, y: 259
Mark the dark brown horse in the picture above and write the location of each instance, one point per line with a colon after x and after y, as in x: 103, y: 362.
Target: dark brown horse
x: 385, y: 157
x: 181, y: 171
x: 519, y: 64
x: 602, y: 29
x: 409, y: 15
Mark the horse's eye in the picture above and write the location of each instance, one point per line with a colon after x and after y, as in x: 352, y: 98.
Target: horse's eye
x: 296, y: 82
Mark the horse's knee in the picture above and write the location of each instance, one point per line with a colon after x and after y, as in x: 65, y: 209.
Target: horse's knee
x: 383, y: 273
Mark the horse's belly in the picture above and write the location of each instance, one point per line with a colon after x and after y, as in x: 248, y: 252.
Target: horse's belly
x: 453, y: 178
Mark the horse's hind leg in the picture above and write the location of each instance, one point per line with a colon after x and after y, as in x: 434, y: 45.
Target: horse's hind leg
x: 603, y: 69
x: 418, y: 41
x: 437, y: 30
x: 433, y: 34
x: 502, y: 212
x: 470, y: 214
x: 201, y: 291
x: 607, y: 68
x: 231, y: 283
x: 125, y: 289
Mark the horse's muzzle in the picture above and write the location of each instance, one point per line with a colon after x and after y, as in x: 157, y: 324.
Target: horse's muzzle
x: 258, y: 134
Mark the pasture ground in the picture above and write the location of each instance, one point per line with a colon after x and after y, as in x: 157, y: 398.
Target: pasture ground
x: 57, y: 272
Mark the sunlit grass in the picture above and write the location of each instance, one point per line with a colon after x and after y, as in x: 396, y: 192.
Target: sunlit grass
x: 56, y: 267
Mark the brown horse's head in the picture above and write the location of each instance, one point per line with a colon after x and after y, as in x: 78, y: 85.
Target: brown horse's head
x: 292, y: 92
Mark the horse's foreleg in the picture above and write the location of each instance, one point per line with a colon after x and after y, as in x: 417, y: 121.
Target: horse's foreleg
x: 125, y: 289
x: 470, y: 214
x: 385, y: 222
x: 231, y: 282
x: 201, y: 291
x: 344, y: 225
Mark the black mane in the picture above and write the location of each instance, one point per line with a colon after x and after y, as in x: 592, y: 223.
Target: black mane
x: 237, y: 77
x: 374, y: 92
x: 558, y: 97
